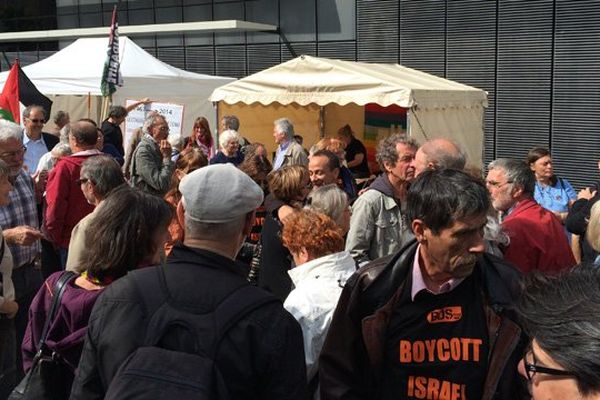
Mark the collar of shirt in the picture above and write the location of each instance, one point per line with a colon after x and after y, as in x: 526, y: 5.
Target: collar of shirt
x: 418, y: 283
x: 150, y: 137
x: 26, y: 139
x: 284, y: 146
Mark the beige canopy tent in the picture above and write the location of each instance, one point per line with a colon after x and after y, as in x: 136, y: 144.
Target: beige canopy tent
x: 320, y: 95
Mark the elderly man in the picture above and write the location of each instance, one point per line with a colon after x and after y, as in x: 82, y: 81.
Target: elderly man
x: 19, y: 221
x: 537, y: 238
x: 66, y: 205
x: 289, y: 152
x: 261, y: 354
x: 151, y: 166
x: 378, y: 226
x: 37, y: 142
x: 323, y: 168
x: 432, y: 321
x: 98, y: 177
x: 560, y: 315
x: 439, y: 153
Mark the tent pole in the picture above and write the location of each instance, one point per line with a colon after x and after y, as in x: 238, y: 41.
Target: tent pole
x: 89, y: 104
x: 321, y: 122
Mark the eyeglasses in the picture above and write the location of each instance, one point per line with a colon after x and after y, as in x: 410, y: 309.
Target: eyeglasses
x: 495, y: 184
x: 163, y: 128
x: 532, y: 369
x: 37, y: 121
x: 82, y: 180
x: 13, y: 154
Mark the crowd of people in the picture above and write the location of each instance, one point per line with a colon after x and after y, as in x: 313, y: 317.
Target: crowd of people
x: 189, y: 267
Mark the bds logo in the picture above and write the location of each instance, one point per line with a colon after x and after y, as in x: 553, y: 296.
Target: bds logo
x: 446, y: 314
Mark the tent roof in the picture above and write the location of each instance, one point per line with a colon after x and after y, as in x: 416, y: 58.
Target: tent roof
x: 308, y: 79
x: 77, y: 69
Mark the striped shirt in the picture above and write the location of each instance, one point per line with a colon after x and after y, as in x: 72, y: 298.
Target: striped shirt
x: 21, y: 210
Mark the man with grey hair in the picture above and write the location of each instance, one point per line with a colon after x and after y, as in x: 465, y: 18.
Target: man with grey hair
x: 37, y: 142
x: 537, y: 238
x: 378, y: 225
x: 439, y: 153
x: 98, y: 177
x: 20, y: 227
x: 260, y: 355
x: 289, y: 152
x: 151, y: 165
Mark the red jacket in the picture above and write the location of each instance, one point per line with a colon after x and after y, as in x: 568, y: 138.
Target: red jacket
x: 537, y: 239
x: 66, y: 205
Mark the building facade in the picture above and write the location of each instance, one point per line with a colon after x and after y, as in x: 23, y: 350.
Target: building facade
x: 539, y: 60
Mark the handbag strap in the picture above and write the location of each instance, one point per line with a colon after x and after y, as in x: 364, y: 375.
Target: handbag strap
x: 59, y: 289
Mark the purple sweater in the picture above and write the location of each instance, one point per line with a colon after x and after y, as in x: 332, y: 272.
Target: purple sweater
x: 67, y: 331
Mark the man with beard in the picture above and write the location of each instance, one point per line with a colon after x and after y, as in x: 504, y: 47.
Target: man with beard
x: 378, y: 226
x: 433, y: 320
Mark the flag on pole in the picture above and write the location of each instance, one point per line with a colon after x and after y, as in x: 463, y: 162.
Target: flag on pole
x: 19, y: 89
x: 111, y: 75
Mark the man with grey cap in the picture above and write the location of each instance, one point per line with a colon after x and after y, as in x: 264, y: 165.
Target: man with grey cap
x: 260, y: 356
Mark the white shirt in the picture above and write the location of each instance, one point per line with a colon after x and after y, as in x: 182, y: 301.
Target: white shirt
x: 319, y: 284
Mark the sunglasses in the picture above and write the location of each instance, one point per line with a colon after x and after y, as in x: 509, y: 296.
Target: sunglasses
x: 37, y: 121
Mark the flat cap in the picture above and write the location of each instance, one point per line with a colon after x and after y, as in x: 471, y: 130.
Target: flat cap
x: 219, y: 193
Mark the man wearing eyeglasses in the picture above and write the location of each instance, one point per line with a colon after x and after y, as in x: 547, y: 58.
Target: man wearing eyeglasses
x: 560, y: 315
x: 20, y: 226
x: 151, y: 166
x: 37, y: 142
x: 537, y: 237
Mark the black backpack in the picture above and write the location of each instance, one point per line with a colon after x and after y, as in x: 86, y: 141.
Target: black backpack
x: 176, y: 360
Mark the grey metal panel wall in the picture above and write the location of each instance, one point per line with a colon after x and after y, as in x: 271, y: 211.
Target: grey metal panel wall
x: 338, y: 50
x: 174, y: 56
x: 262, y: 56
x: 377, y: 30
x: 231, y: 61
x: 309, y: 49
x: 471, y: 54
x: 200, y: 59
x: 423, y: 35
x: 576, y: 96
x: 523, y: 103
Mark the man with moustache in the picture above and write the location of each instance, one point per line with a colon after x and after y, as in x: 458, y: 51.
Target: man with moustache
x: 378, y: 226
x: 537, y: 238
x: 435, y: 319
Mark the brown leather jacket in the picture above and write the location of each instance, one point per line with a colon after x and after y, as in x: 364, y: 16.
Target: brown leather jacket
x: 353, y: 354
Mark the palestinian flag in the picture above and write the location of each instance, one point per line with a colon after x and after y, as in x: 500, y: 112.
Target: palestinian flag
x: 19, y: 89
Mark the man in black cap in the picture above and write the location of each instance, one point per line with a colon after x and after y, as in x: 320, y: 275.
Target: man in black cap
x: 260, y: 355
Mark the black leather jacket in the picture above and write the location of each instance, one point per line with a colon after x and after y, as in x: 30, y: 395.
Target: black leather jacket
x: 353, y: 354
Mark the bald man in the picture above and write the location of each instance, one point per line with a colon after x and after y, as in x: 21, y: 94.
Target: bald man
x: 439, y: 153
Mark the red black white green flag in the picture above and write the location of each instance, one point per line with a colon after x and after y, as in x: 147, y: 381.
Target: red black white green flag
x: 19, y: 89
x: 111, y: 75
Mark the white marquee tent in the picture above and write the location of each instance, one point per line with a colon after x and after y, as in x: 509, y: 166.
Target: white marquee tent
x: 72, y: 74
x: 435, y: 106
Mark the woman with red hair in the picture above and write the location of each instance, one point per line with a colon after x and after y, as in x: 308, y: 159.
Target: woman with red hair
x: 316, y: 244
